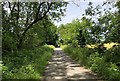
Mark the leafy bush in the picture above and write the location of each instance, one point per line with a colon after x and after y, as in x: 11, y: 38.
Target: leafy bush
x: 26, y: 64
x: 113, y: 72
x: 113, y: 55
x: 97, y: 64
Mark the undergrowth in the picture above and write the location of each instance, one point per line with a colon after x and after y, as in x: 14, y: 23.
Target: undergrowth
x: 26, y: 64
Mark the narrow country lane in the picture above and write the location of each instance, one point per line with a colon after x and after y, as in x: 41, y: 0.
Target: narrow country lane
x: 62, y: 68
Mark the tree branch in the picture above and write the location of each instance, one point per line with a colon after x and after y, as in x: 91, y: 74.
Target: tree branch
x: 9, y: 5
x: 13, y: 6
x: 49, y: 6
x: 12, y: 9
x: 18, y: 12
x: 37, y: 14
x: 37, y: 19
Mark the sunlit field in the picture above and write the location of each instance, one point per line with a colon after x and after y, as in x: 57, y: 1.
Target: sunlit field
x: 106, y: 45
x: 110, y: 45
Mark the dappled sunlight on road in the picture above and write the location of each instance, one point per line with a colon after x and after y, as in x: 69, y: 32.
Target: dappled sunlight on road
x: 62, y: 68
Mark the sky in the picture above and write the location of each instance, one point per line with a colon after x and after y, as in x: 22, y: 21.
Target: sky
x: 75, y: 11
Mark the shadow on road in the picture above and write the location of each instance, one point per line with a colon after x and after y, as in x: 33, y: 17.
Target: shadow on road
x: 62, y: 68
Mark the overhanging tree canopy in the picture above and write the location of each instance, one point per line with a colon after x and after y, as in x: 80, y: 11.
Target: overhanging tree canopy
x: 23, y: 15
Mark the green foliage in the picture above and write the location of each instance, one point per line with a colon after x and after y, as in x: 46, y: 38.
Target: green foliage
x: 113, y: 54
x: 97, y: 64
x: 70, y: 32
x: 44, y: 32
x: 8, y: 42
x: 26, y: 64
x: 105, y: 24
x: 113, y: 72
x: 92, y: 59
x: 30, y: 22
x: 81, y: 39
x: 96, y: 27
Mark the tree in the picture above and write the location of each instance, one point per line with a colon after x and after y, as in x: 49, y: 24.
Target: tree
x: 43, y: 32
x: 114, y: 35
x: 104, y: 24
x: 22, y: 16
x: 76, y: 31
